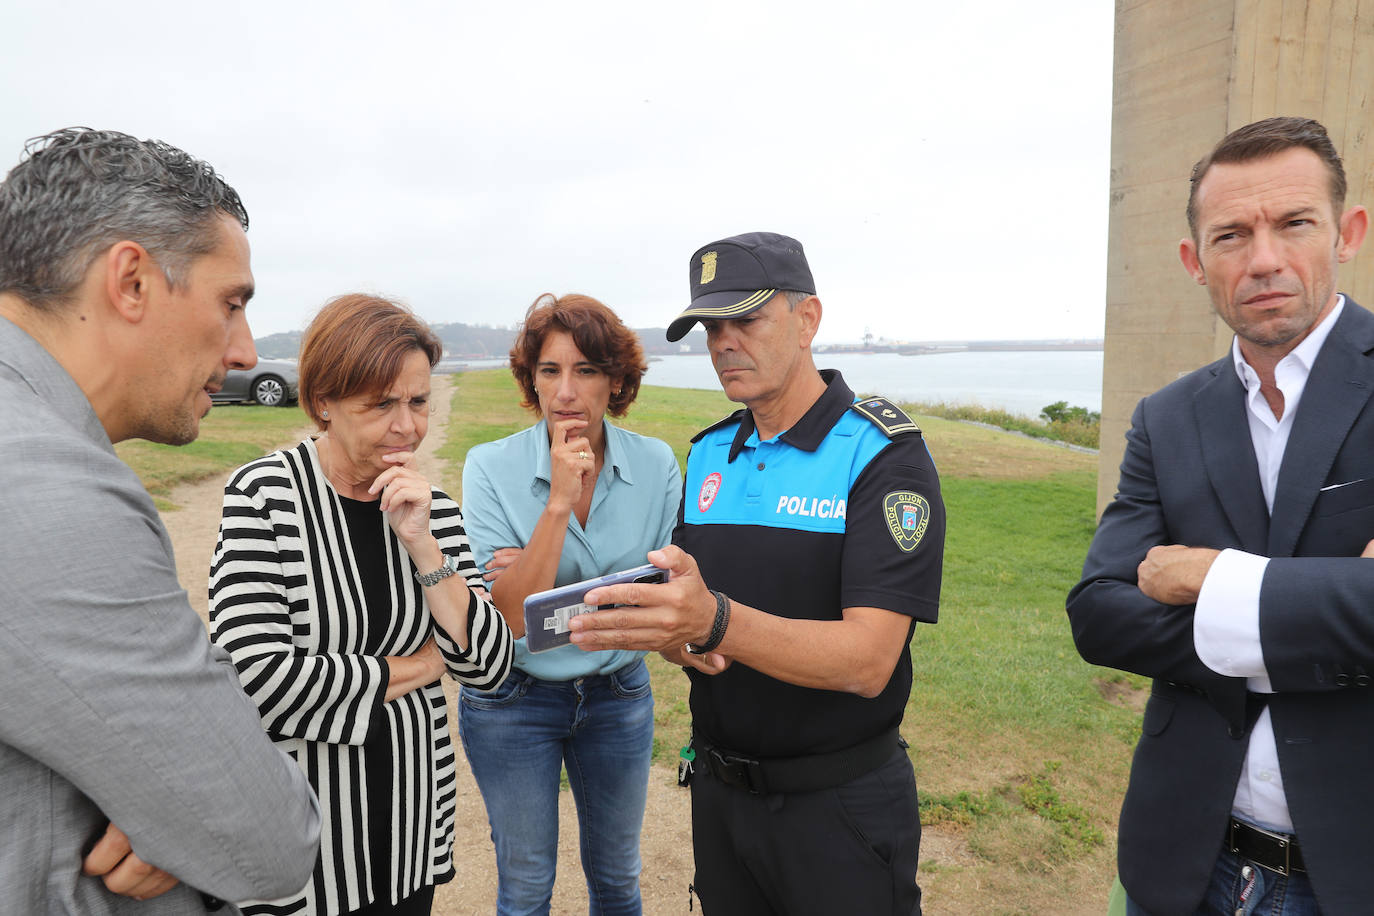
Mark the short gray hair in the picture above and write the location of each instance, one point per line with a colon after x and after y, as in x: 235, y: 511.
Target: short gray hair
x: 795, y: 298
x: 78, y: 191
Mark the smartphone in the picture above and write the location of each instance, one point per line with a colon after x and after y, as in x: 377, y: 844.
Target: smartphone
x: 547, y: 613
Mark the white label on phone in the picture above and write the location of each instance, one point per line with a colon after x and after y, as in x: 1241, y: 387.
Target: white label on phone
x: 558, y: 623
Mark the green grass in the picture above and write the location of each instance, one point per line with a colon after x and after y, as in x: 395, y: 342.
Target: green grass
x: 1012, y: 549
x: 665, y: 413
x: 485, y: 407
x: 230, y: 435
x: 1014, y: 744
x: 1073, y: 832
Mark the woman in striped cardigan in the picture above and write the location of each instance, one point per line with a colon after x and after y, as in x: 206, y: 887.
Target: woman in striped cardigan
x: 333, y: 588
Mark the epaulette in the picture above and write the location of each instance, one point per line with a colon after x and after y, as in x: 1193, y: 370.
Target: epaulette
x: 735, y: 417
x: 887, y: 416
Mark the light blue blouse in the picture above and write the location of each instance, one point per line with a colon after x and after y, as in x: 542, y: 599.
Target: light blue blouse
x: 634, y: 508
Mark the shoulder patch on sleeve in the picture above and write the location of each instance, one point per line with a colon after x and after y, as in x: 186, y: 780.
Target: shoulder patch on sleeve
x: 887, y: 416
x: 735, y: 417
x: 907, y: 514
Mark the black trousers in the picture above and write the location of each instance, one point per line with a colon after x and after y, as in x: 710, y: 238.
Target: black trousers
x: 850, y: 849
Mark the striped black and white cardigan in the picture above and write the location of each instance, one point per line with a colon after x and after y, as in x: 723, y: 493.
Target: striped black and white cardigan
x: 285, y: 601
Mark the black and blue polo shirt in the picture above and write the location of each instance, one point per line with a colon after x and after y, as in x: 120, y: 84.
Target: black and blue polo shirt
x: 842, y: 510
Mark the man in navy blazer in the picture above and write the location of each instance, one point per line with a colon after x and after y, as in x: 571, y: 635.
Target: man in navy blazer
x: 1228, y: 566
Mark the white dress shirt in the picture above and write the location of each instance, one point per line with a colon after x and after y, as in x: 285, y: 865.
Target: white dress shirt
x: 1226, y: 623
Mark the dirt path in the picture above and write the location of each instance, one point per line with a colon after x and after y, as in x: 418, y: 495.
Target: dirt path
x: 666, y: 843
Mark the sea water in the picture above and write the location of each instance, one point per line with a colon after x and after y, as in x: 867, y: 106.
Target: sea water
x: 1018, y: 381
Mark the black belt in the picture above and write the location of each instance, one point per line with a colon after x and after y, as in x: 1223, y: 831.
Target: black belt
x: 1275, y: 851
x: 795, y: 774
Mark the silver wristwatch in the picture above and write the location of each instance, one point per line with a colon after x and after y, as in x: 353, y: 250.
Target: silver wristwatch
x: 443, y: 572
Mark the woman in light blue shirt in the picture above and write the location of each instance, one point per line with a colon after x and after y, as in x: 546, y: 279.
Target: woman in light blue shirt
x: 569, y: 498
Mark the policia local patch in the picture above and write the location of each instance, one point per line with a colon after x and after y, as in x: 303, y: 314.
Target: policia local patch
x: 907, y: 515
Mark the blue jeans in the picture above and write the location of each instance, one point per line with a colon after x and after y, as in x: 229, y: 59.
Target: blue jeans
x: 519, y: 737
x: 1231, y: 891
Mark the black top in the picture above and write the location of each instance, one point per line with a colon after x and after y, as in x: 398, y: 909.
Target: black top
x: 367, y: 534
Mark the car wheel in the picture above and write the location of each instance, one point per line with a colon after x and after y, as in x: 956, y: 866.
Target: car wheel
x: 269, y: 391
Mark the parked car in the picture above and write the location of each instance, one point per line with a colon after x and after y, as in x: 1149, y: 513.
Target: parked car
x: 272, y: 383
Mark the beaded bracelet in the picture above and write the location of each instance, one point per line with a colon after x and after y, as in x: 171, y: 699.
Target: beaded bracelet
x: 717, y: 627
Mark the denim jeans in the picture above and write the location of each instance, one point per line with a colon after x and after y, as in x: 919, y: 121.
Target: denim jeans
x: 1231, y: 891
x: 519, y: 737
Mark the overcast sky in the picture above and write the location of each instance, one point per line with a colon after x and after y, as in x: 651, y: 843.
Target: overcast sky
x: 945, y: 165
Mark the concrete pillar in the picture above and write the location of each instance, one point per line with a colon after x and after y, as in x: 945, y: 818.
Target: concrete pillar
x: 1186, y: 73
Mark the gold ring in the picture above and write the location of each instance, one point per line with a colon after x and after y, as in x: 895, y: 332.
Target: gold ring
x: 582, y: 455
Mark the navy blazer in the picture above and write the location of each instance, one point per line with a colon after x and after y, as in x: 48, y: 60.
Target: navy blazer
x: 1189, y: 477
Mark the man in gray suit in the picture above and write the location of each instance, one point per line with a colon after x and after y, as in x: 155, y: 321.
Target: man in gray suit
x: 1228, y: 566
x: 132, y: 765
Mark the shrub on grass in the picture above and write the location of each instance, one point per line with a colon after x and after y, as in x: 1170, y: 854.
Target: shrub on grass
x: 1061, y: 423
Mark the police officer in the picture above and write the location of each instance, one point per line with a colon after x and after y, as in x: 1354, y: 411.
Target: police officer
x: 810, y: 542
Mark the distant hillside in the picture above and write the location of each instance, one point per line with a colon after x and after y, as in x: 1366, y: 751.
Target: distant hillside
x: 475, y: 341
x: 279, y: 346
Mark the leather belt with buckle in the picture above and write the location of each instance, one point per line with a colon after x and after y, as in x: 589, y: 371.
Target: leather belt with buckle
x: 1277, y: 852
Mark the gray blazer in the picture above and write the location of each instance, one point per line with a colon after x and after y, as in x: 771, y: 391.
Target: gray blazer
x: 1189, y: 476
x: 113, y: 704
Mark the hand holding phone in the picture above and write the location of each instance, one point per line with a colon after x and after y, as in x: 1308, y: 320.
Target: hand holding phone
x: 547, y: 613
